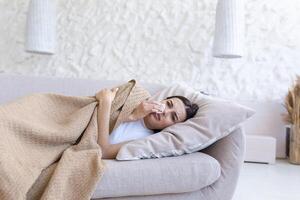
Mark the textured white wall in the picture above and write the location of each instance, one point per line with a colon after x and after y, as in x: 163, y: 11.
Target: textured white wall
x: 161, y: 41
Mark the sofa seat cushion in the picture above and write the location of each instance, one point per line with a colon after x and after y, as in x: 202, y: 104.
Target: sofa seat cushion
x: 185, y: 173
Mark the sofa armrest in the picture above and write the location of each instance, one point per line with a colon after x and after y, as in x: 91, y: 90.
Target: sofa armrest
x: 229, y: 151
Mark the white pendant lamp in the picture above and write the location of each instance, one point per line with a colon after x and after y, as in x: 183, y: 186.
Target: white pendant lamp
x: 41, y: 27
x: 229, y: 29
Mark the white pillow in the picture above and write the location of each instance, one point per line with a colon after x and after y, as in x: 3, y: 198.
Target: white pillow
x: 215, y: 119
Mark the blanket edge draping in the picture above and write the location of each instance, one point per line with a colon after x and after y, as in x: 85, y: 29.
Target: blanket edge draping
x: 49, y: 146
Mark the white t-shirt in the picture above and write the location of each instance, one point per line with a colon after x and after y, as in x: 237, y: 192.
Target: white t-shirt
x: 129, y: 131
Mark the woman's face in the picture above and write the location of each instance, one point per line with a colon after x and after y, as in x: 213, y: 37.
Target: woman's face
x: 174, y: 113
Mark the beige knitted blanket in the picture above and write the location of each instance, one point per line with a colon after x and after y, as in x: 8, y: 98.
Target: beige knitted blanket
x: 48, y: 144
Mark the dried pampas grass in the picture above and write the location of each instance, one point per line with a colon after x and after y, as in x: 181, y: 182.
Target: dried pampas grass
x: 292, y: 104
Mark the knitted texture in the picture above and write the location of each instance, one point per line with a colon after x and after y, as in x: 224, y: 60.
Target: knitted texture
x: 118, y: 102
x: 48, y: 145
x: 124, y: 104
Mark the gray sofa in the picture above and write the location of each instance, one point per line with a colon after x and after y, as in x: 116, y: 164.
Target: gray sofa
x: 210, y: 174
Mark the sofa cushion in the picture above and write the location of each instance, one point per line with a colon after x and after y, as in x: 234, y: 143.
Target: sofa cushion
x: 189, y: 172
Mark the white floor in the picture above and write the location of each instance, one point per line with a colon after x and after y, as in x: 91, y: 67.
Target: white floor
x: 279, y: 181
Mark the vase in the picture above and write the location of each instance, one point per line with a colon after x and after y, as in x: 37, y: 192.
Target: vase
x: 294, y: 145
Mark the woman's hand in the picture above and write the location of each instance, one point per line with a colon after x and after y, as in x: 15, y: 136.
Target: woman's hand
x: 106, y: 94
x: 143, y: 109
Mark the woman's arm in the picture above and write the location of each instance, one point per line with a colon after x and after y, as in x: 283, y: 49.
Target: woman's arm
x: 112, y: 150
x: 105, y: 98
x: 109, y: 151
x: 103, y: 113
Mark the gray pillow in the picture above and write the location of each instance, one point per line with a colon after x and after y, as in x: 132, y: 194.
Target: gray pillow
x: 215, y: 119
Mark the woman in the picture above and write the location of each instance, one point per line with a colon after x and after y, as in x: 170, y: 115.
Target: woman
x: 147, y: 118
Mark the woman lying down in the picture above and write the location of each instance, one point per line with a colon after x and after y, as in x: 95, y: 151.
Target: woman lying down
x: 147, y: 118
